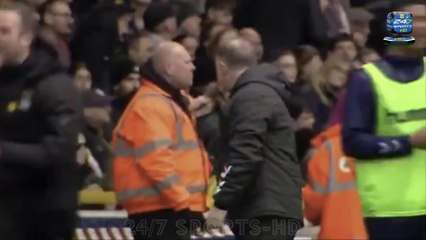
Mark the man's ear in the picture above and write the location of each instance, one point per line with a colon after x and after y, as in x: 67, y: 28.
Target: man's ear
x: 27, y: 39
x: 168, y: 69
x: 222, y: 65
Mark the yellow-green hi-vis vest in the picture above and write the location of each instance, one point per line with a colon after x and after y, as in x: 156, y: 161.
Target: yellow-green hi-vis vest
x: 395, y: 187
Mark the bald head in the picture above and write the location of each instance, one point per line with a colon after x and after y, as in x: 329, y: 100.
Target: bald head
x: 174, y: 63
x: 249, y: 33
x: 253, y: 37
x: 165, y: 51
x: 237, y: 53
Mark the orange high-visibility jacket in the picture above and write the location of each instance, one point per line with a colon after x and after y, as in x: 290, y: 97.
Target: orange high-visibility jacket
x: 159, y: 162
x: 331, y: 198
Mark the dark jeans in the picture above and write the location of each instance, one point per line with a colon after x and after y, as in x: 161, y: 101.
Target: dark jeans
x: 164, y: 225
x: 396, y: 228
x: 265, y: 228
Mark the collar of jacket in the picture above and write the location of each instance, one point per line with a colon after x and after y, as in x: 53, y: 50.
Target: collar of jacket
x: 151, y: 76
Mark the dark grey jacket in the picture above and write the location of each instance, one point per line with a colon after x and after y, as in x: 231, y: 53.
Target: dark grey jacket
x: 264, y: 175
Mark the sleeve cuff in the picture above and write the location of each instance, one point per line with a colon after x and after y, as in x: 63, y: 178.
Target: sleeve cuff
x: 219, y: 205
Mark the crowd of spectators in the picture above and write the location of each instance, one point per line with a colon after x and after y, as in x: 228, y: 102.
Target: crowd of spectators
x: 105, y: 45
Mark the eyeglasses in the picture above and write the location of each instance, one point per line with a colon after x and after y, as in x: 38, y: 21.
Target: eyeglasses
x: 64, y: 15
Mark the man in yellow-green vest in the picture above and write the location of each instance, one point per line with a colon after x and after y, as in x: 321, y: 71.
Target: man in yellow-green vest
x: 384, y: 128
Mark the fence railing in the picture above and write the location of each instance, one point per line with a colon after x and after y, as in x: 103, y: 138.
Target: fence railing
x: 111, y: 224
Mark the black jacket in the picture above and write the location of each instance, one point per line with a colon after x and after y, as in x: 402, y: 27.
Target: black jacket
x: 118, y: 106
x: 98, y: 44
x: 102, y: 152
x: 263, y: 173
x: 40, y: 117
x: 209, y: 130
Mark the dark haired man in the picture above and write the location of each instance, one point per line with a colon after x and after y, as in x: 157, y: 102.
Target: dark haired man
x: 140, y: 48
x: 57, y: 27
x: 344, y: 47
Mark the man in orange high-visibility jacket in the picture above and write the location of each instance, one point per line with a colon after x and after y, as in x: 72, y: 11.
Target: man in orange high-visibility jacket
x: 161, y: 171
x: 330, y: 197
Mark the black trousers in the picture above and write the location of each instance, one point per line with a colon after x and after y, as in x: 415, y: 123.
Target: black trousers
x: 25, y: 218
x: 400, y: 228
x: 265, y: 228
x: 164, y: 225
x: 22, y: 227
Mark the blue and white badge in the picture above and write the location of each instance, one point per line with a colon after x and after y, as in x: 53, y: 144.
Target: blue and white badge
x: 399, y: 26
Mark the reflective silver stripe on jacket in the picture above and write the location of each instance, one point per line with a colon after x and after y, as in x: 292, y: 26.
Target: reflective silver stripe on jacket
x: 158, y: 188
x: 122, y: 149
x: 333, y: 184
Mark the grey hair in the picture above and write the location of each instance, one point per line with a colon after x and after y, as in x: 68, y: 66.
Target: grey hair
x: 237, y: 53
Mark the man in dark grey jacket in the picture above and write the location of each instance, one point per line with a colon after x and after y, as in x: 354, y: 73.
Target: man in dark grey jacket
x: 261, y: 188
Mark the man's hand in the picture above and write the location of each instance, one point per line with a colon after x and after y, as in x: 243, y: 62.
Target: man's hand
x: 215, y: 219
x: 418, y: 139
x: 201, y: 106
x: 305, y: 121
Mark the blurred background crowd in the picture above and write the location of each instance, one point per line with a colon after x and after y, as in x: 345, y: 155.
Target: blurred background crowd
x: 105, y: 45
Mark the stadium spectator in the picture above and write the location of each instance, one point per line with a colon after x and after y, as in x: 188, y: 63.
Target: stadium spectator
x: 298, y: 109
x: 344, y: 48
x: 336, y: 14
x: 205, y: 72
x: 160, y: 21
x: 39, y: 125
x: 188, y: 19
x: 379, y: 9
x: 126, y: 81
x: 209, y: 30
x: 286, y: 61
x: 35, y: 3
x: 253, y: 37
x: 369, y: 55
x: 209, y: 127
x: 57, y: 27
x: 158, y: 121
x: 365, y: 55
x: 97, y: 117
x: 101, y: 40
x: 189, y: 42
x: 82, y: 77
x: 220, y: 11
x: 260, y: 145
x: 360, y: 20
x: 384, y: 128
x: 140, y: 48
x: 137, y: 23
x: 308, y: 63
x: 327, y: 85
